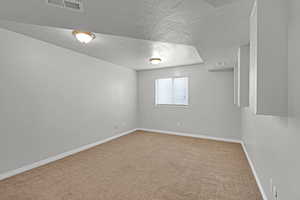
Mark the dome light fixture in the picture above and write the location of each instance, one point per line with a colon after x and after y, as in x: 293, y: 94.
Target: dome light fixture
x: 83, y: 37
x: 155, y: 61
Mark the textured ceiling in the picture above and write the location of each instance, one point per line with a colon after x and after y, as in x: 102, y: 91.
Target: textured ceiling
x: 124, y: 51
x: 214, y: 27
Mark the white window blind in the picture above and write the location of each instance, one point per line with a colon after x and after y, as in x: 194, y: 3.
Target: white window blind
x: 171, y: 91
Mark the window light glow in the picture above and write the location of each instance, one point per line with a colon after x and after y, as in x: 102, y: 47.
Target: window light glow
x: 171, y: 91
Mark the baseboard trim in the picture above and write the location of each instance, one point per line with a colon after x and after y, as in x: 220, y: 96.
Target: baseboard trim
x: 59, y: 156
x: 191, y: 135
x: 254, y: 173
x: 88, y: 146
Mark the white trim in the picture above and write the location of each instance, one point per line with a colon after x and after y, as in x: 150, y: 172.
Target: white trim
x: 191, y: 135
x: 88, y: 146
x: 254, y: 173
x: 59, y: 156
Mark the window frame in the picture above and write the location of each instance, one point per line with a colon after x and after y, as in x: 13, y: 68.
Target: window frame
x: 173, y: 105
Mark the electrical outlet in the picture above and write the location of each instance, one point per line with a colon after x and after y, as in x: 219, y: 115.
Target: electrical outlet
x: 116, y: 127
x: 178, y: 124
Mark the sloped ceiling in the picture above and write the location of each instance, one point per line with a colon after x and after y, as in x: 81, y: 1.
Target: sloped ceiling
x: 213, y: 27
x: 128, y: 52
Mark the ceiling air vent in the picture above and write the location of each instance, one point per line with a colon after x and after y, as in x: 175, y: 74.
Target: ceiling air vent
x: 220, y: 3
x: 76, y: 5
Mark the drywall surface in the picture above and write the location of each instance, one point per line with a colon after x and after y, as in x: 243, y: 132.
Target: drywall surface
x: 273, y: 142
x: 54, y: 100
x: 210, y: 112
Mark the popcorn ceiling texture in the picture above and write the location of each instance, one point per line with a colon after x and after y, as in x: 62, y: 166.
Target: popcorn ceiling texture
x: 141, y: 166
x: 216, y: 28
x: 165, y: 20
x: 171, y: 20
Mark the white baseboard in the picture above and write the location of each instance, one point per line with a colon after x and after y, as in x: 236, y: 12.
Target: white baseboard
x: 88, y: 146
x: 58, y: 157
x: 191, y: 135
x: 254, y: 173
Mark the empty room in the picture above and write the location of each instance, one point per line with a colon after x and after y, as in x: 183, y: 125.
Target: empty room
x: 149, y: 100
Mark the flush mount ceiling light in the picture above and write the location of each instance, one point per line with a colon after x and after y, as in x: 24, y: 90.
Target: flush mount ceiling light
x: 155, y: 61
x: 84, y: 37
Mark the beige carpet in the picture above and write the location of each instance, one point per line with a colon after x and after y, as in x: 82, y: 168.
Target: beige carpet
x: 141, y: 166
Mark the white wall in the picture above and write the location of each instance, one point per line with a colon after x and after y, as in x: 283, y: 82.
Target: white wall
x: 274, y: 142
x: 211, y: 111
x: 53, y: 100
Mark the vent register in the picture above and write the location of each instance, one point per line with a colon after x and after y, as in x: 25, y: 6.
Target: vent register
x: 76, y: 5
x: 220, y: 3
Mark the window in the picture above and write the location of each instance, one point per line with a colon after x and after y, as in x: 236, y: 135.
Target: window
x: 171, y: 91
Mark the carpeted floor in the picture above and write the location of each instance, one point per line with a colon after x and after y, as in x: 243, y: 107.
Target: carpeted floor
x: 141, y: 166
